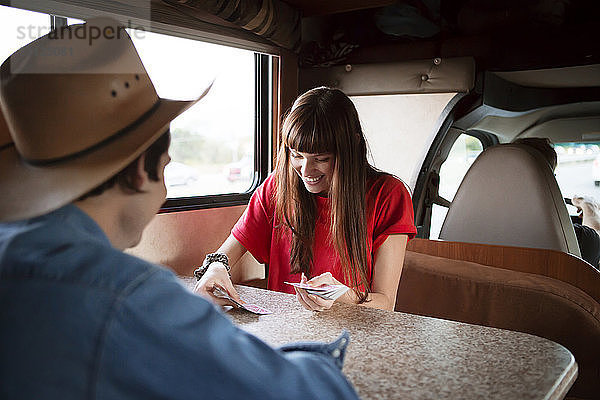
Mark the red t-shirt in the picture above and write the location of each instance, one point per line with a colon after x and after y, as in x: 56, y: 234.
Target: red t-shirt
x: 255, y: 230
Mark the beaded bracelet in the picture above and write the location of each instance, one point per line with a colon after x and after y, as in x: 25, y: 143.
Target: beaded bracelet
x: 209, y: 259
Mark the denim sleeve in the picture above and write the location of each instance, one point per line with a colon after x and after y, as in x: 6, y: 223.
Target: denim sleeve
x: 163, y: 341
x: 336, y: 350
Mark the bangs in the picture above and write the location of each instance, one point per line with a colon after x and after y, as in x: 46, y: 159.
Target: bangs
x: 309, y: 134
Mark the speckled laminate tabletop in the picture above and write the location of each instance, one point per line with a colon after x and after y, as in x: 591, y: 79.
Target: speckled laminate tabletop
x: 394, y: 355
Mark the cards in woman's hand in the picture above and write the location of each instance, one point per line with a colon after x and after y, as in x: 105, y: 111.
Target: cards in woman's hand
x: 253, y: 308
x: 327, y: 292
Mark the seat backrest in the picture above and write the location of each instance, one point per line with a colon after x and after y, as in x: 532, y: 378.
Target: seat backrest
x: 526, y: 302
x: 510, y: 197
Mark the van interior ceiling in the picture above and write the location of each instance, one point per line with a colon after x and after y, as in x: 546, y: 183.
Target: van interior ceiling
x: 496, y: 71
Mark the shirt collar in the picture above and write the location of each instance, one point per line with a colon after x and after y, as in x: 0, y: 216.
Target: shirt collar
x: 75, y: 217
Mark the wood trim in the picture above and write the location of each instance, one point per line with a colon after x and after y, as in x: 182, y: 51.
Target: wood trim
x: 287, y: 92
x: 275, y: 95
x: 288, y: 78
x: 551, y: 263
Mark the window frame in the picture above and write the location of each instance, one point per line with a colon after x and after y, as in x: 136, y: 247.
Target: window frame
x: 262, y: 137
x: 460, y: 105
x: 263, y: 126
x: 487, y: 140
x: 57, y: 22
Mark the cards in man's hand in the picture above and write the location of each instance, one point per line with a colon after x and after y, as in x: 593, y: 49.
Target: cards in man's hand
x: 327, y: 292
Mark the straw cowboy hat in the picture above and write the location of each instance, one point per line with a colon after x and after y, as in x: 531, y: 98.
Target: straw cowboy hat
x: 79, y: 106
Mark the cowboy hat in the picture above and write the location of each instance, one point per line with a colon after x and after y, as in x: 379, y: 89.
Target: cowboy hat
x: 79, y: 106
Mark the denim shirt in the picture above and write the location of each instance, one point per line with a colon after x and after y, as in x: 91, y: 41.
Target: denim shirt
x: 80, y: 319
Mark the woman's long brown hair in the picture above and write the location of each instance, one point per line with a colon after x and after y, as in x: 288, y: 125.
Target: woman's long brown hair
x: 324, y: 120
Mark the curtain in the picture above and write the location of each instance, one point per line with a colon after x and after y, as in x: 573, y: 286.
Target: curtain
x: 273, y: 20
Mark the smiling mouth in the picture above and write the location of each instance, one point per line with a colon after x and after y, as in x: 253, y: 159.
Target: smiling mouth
x: 312, y: 181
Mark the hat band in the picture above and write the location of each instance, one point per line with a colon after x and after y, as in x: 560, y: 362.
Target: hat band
x: 6, y: 146
x: 98, y: 145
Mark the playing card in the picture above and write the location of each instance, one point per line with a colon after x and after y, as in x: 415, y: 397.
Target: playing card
x: 327, y: 292
x: 303, y: 286
x: 253, y: 308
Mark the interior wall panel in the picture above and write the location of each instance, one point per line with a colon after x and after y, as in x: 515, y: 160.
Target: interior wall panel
x: 180, y: 240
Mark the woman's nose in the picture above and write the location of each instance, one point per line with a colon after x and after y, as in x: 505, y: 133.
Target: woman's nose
x: 307, y: 166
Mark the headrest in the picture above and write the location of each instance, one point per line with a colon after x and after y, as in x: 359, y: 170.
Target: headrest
x: 510, y: 197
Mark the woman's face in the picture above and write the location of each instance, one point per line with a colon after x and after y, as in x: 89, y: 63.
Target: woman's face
x: 315, y: 170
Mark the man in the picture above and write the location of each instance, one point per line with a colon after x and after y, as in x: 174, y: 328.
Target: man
x: 587, y: 226
x: 81, y: 177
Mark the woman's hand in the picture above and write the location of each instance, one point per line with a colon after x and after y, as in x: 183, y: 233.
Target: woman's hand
x: 216, y: 275
x: 312, y: 302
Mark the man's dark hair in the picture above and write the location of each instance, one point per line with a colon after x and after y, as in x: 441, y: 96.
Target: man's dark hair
x: 125, y: 177
x: 544, y: 146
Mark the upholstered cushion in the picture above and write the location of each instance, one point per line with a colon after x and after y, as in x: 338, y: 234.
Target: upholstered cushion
x: 483, y: 295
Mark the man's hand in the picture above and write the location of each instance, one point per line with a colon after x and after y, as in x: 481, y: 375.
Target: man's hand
x: 590, y: 210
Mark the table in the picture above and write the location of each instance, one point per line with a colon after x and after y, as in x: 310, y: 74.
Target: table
x: 393, y: 355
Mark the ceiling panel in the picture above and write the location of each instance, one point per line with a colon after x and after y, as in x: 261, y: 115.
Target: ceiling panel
x: 324, y: 7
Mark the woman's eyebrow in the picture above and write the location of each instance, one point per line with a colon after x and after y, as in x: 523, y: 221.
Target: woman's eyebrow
x: 323, y: 154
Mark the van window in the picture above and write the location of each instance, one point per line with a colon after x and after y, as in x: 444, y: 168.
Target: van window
x: 19, y: 27
x: 464, y: 151
x: 399, y: 130
x: 212, y: 143
x: 578, y: 169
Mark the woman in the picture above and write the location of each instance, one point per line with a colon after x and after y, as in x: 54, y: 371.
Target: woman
x: 324, y: 213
